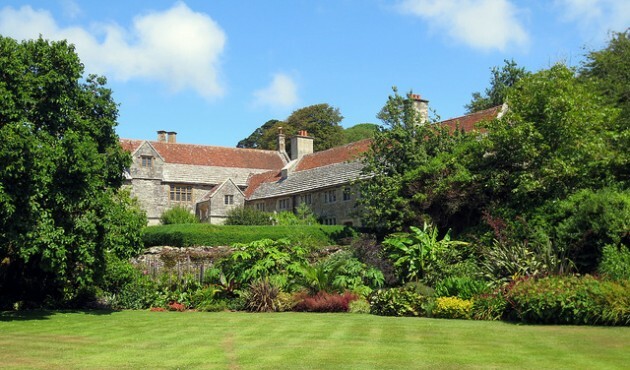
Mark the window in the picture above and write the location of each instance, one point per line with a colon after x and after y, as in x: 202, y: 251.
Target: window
x: 181, y: 193
x: 147, y: 161
x: 228, y: 199
x: 283, y: 203
x: 260, y: 206
x: 330, y: 221
x: 347, y: 194
x: 330, y: 196
x: 306, y: 199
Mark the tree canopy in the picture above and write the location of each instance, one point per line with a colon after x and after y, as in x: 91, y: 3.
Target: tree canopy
x: 501, y: 80
x: 550, y: 174
x: 320, y: 120
x: 61, y: 211
x: 359, y: 132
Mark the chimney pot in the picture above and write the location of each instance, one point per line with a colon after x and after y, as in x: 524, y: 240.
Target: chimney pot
x: 172, y: 137
x: 161, y: 136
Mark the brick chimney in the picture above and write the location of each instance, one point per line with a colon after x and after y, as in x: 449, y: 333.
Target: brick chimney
x: 172, y: 137
x: 421, y: 106
x: 301, y: 145
x: 161, y: 136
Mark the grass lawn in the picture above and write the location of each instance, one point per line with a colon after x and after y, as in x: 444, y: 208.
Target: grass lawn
x: 150, y: 340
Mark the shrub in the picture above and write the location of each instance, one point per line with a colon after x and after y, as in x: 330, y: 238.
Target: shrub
x: 277, y: 260
x: 215, y: 305
x: 569, y: 300
x: 326, y: 302
x: 340, y: 272
x: 125, y: 287
x: 463, y: 287
x: 139, y: 294
x: 615, y: 300
x: 615, y: 263
x: 489, y: 306
x: 397, y: 302
x: 261, y: 296
x: 452, y: 308
x: 361, y: 305
x: 588, y: 220
x: 176, y: 306
x: 420, y: 254
x: 225, y: 235
x: 178, y: 215
x: 505, y: 261
x: 248, y: 216
x: 285, y: 301
x: 368, y: 251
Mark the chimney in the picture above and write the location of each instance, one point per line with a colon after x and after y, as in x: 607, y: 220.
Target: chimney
x: 161, y: 136
x: 172, y: 137
x: 421, y: 106
x: 301, y: 145
x: 282, y: 147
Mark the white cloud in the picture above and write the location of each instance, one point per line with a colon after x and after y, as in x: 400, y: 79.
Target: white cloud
x: 597, y: 16
x: 480, y: 24
x: 178, y: 47
x: 281, y: 93
x: 71, y: 9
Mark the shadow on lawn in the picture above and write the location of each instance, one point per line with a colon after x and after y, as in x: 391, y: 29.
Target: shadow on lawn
x: 28, y: 315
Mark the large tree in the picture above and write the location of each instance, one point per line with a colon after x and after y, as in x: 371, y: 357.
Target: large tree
x: 402, y: 143
x: 320, y: 120
x: 264, y: 137
x: 60, y: 208
x: 500, y: 82
x: 609, y: 72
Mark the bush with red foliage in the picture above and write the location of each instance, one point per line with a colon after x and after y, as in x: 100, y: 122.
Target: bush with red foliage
x: 326, y: 302
x: 176, y: 306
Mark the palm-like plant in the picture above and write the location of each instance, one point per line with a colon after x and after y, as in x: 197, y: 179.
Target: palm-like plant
x: 417, y: 252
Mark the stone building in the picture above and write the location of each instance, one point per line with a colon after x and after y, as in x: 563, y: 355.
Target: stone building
x: 165, y: 174
x: 211, y: 180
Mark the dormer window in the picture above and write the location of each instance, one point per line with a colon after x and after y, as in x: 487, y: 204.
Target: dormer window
x: 147, y: 161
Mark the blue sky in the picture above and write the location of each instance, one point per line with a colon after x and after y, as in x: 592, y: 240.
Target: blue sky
x: 216, y: 70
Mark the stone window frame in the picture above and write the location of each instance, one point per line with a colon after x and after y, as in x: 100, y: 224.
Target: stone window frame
x: 179, y: 193
x: 347, y: 194
x: 146, y: 161
x: 330, y: 221
x: 330, y: 196
x: 260, y: 206
x: 283, y: 204
x: 228, y: 199
x: 306, y: 198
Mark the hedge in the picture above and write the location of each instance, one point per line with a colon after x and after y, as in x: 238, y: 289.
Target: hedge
x: 187, y: 235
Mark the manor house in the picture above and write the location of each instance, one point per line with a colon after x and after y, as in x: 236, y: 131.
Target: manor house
x: 212, y: 180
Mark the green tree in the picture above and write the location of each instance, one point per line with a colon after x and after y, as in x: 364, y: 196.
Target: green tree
x: 266, y: 136
x: 502, y: 79
x: 359, y: 132
x: 400, y: 145
x: 60, y: 210
x: 322, y: 122
x: 609, y: 71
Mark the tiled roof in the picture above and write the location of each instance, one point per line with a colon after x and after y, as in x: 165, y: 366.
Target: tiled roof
x: 210, y: 175
x: 340, y: 154
x: 255, y: 180
x: 216, y: 156
x: 469, y: 121
x: 307, y: 180
x: 336, y: 166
